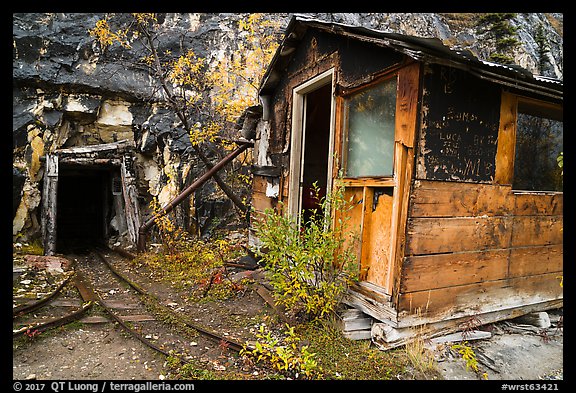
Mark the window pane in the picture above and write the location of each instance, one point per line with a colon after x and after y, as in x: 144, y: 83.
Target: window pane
x: 539, y: 142
x: 370, y: 119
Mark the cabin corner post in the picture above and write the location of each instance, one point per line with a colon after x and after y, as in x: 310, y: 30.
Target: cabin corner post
x: 407, y: 107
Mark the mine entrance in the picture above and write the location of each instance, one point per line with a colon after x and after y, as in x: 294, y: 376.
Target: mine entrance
x: 84, y: 206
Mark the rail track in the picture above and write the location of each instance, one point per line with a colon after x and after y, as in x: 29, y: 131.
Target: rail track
x: 97, y: 283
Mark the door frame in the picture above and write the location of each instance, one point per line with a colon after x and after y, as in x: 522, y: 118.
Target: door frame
x: 297, y: 138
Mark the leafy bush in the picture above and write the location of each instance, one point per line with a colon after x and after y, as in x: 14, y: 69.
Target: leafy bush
x: 285, y: 356
x: 312, y: 264
x: 194, y: 263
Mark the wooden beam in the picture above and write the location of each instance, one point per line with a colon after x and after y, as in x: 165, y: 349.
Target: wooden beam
x: 103, y: 147
x: 386, y: 336
x: 49, y: 199
x: 477, y: 298
x: 506, y: 139
x: 407, y: 109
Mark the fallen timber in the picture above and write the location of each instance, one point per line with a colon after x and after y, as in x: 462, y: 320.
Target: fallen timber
x: 55, y: 322
x: 143, y: 230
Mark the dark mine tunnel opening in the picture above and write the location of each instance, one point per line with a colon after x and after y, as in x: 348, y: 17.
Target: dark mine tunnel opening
x: 84, y: 207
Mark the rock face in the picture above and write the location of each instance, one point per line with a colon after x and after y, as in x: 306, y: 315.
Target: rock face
x: 66, y: 93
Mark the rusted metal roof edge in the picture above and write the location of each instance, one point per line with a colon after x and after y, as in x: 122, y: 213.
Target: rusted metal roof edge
x: 424, y: 49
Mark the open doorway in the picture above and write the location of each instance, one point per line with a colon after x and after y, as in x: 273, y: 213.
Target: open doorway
x: 85, y: 206
x: 315, y: 161
x: 312, y: 136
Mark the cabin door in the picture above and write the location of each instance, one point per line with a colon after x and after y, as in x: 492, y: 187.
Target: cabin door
x: 368, y: 169
x: 377, y: 126
x: 311, y: 145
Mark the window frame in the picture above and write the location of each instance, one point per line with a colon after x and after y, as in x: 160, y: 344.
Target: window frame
x: 348, y: 94
x: 506, y: 149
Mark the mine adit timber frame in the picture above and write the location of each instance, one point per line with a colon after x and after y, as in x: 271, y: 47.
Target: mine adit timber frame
x: 143, y: 230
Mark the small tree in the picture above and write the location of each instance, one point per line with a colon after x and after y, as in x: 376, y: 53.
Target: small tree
x: 497, y: 27
x: 206, y: 100
x: 312, y: 264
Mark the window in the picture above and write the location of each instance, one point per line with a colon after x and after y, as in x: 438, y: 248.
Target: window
x: 369, y: 144
x: 539, y: 142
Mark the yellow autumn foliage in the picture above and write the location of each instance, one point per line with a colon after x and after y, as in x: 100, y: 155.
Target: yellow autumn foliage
x: 231, y: 85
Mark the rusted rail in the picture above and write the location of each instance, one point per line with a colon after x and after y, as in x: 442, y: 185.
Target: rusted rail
x: 90, y: 297
x: 27, y: 308
x: 143, y: 230
x: 56, y: 322
x: 88, y: 294
x: 219, y: 339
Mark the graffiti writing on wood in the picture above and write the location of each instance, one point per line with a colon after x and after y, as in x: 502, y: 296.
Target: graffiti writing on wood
x: 460, y: 127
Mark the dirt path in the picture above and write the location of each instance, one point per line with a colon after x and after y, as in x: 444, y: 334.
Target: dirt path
x: 100, y: 350
x: 95, y: 351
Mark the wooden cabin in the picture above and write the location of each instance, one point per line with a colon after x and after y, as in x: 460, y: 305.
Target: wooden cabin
x: 450, y: 162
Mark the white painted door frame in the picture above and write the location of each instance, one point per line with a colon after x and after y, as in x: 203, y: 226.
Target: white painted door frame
x: 297, y: 137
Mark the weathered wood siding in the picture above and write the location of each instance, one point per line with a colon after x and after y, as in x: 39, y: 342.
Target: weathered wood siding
x: 475, y: 248
x: 462, y: 243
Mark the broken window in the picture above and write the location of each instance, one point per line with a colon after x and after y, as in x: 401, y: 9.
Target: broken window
x: 539, y: 142
x: 369, y: 149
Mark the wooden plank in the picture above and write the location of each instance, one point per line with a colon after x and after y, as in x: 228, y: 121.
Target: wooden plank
x: 369, y: 182
x: 130, y: 194
x: 352, y: 221
x: 538, y: 203
x: 365, y: 255
x: 421, y: 272
x: 49, y: 199
x: 338, y: 130
x: 408, y: 107
x: 118, y: 146
x: 506, y: 139
x: 455, y: 199
x: 385, y: 336
x: 260, y: 202
x: 478, y: 298
x: 444, y: 235
x: 353, y: 319
x: 377, y: 237
x: 526, y: 261
x: 259, y: 184
x: 426, y: 272
x: 537, y: 230
x: 407, y: 104
x: 371, y: 301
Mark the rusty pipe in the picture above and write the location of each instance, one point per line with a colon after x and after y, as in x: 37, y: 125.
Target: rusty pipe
x: 142, y: 231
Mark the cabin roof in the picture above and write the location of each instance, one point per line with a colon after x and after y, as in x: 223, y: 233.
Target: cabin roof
x: 427, y: 50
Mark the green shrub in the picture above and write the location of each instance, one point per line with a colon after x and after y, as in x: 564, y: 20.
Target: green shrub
x: 312, y: 264
x: 286, y: 355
